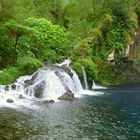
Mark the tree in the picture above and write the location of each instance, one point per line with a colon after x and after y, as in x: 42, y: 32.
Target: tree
x: 48, y: 42
x: 17, y: 31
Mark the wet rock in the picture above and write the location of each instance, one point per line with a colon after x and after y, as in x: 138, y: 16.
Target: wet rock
x: 38, y: 92
x: 10, y: 101
x: 28, y: 83
x: 21, y: 97
x: 13, y: 86
x: 68, y: 96
x: 6, y: 88
x: 58, y: 69
x: 67, y: 70
x: 39, y: 89
x: 32, y: 81
x: 48, y: 101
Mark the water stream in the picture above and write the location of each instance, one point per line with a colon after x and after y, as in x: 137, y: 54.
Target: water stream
x: 48, y: 83
x: 115, y: 115
x: 109, y: 114
x: 85, y: 78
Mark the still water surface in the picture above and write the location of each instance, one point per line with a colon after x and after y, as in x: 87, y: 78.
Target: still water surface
x: 115, y: 115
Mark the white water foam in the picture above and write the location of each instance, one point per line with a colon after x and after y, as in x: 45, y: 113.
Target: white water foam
x: 88, y: 93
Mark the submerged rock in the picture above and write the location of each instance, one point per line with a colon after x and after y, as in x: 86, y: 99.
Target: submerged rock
x: 68, y: 96
x: 10, y: 101
x: 48, y: 101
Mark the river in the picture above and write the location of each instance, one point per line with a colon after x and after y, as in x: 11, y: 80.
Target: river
x: 114, y: 115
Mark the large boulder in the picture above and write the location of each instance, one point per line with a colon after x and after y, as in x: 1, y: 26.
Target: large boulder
x: 68, y: 96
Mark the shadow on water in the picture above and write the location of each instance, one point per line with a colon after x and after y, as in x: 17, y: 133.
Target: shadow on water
x: 114, y: 115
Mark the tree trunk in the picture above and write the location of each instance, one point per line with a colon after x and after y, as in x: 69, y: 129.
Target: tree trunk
x: 15, y: 47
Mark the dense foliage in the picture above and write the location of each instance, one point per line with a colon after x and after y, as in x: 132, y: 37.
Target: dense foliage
x: 87, y: 31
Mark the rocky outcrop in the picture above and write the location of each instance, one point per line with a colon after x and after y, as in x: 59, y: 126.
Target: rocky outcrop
x: 37, y: 84
x: 132, y: 74
x: 133, y: 49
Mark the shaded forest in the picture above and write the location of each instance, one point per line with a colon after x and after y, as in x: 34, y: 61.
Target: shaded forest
x: 44, y: 32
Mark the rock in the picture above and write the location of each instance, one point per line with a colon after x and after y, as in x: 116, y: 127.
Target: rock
x: 10, y: 101
x: 36, y: 90
x: 62, y: 69
x: 32, y: 81
x: 68, y: 96
x: 13, y: 86
x: 48, y: 101
x: 6, y: 88
x: 67, y: 70
x: 21, y: 97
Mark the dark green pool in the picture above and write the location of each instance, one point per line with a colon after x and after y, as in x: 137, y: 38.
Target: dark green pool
x: 112, y: 116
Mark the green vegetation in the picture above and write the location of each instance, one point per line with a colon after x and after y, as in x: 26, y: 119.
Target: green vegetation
x: 87, y: 31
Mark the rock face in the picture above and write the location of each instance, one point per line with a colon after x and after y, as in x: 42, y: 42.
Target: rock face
x: 132, y: 74
x: 10, y: 101
x: 68, y: 96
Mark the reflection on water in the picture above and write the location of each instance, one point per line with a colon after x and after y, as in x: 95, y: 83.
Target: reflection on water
x: 111, y: 116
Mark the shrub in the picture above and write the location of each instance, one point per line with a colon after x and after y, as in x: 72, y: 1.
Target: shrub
x: 46, y: 37
x: 28, y: 65
x: 9, y: 75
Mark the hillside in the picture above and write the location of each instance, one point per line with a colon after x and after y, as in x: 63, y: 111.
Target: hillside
x: 40, y: 32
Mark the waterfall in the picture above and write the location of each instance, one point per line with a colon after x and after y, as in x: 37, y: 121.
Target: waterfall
x: 85, y: 78
x: 95, y: 86
x: 48, y: 83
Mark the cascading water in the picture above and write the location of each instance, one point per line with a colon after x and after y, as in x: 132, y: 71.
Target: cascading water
x: 85, y: 78
x: 48, y: 83
x: 95, y: 86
